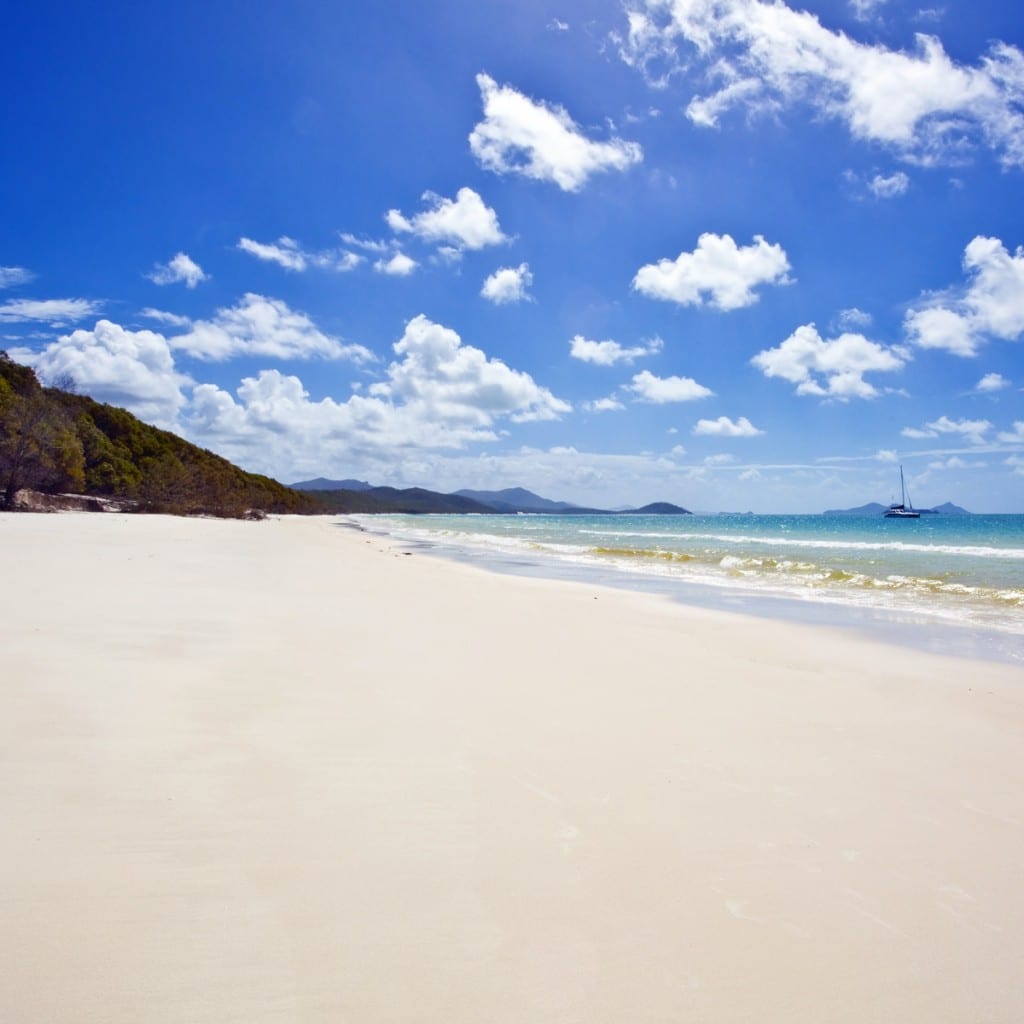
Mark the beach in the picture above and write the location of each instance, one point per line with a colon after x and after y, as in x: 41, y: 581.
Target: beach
x: 288, y: 771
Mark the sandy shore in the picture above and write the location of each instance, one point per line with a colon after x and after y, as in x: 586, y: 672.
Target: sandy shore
x: 283, y: 772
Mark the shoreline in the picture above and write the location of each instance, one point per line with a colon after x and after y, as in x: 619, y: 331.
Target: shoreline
x: 924, y: 631
x: 282, y: 770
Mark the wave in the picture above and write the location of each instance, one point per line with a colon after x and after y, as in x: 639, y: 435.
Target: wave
x: 970, y: 550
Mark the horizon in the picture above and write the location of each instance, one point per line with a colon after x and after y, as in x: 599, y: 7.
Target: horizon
x: 619, y: 508
x: 734, y: 255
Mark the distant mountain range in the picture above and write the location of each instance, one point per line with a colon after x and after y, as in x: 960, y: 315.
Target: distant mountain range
x: 321, y: 484
x: 873, y: 508
x: 359, y: 496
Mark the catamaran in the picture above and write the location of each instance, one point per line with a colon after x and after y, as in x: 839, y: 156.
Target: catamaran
x: 904, y: 509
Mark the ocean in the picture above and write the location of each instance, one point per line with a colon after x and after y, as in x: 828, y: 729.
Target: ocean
x: 949, y: 583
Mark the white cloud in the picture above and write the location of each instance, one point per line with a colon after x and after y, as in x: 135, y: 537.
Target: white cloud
x: 972, y: 430
x: 287, y: 253
x: 341, y: 261
x: 717, y: 271
x: 608, y: 353
x: 541, y: 141
x: 833, y: 369
x: 953, y: 462
x: 886, y: 455
x: 11, y: 277
x: 555, y: 25
x: 368, y: 244
x: 181, y: 269
x: 447, y: 255
x: 441, y: 374
x: 659, y: 390
x: 936, y: 327
x: 854, y: 318
x: 163, y: 317
x: 992, y: 382
x: 888, y: 187
x: 437, y: 394
x: 725, y: 427
x: 508, y: 284
x: 765, y: 56
x: 863, y: 9
x: 399, y: 265
x: 466, y: 222
x: 55, y: 312
x: 1015, y: 435
x: 134, y: 369
x: 609, y: 404
x: 991, y: 304
x: 718, y: 460
x: 259, y: 326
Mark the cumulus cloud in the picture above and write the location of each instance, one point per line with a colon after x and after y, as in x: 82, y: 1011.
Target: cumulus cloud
x: 287, y: 253
x: 833, y: 369
x: 1013, y: 436
x: 725, y: 427
x: 765, y: 56
x: 134, y: 369
x: 181, y: 269
x: 990, y: 305
x: 608, y: 353
x: 466, y: 221
x: 992, y: 382
x: 437, y: 394
x: 660, y: 390
x: 55, y: 312
x: 440, y: 374
x: 887, y: 187
x: 11, y: 277
x: 971, y: 430
x: 717, y: 272
x: 541, y: 141
x: 259, y: 326
x: 398, y: 265
x: 508, y: 284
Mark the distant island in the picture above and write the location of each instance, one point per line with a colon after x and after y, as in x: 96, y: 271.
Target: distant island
x: 873, y: 508
x: 360, y: 497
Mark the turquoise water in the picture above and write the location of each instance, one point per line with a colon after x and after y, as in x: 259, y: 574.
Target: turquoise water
x: 959, y: 570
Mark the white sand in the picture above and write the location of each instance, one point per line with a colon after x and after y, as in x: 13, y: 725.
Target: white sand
x: 281, y: 772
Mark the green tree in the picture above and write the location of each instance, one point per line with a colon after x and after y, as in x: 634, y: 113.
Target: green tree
x: 38, y: 446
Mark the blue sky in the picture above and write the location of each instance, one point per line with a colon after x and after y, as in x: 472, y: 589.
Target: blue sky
x: 727, y: 253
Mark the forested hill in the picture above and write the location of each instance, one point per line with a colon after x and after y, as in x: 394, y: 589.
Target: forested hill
x: 55, y: 441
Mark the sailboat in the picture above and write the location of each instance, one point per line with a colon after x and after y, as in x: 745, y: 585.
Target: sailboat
x: 905, y: 509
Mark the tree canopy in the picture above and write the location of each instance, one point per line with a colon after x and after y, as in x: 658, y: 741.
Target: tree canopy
x: 55, y: 441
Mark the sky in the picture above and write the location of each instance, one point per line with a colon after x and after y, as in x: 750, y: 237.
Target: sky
x: 732, y: 254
